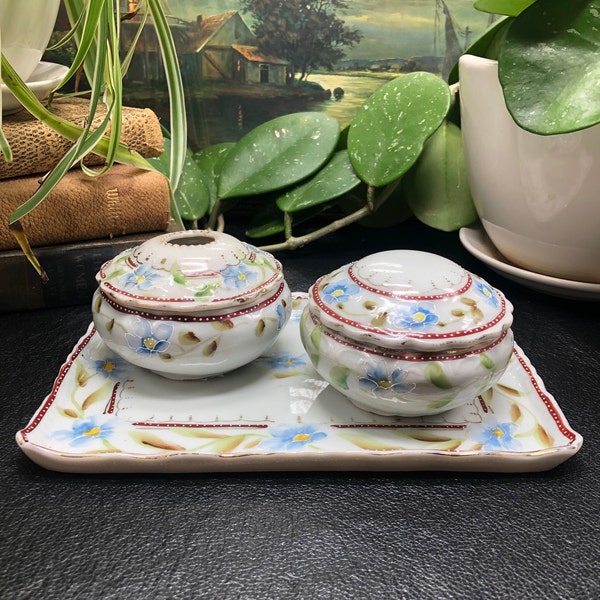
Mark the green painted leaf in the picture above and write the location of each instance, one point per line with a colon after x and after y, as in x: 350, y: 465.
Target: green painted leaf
x: 335, y: 179
x: 388, y: 131
x: 315, y: 338
x: 436, y: 188
x: 339, y: 375
x: 437, y: 404
x: 549, y: 66
x: 278, y: 153
x: 486, y: 361
x: 503, y: 7
x: 436, y: 374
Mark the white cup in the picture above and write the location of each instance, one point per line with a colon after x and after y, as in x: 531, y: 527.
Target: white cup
x: 538, y: 197
x: 25, y: 29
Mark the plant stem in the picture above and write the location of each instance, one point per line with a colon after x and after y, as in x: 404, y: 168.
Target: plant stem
x: 372, y: 204
x: 292, y: 243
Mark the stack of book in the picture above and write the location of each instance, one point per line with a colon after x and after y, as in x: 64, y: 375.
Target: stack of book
x: 85, y: 220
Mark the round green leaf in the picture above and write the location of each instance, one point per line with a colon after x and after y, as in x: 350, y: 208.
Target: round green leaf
x: 278, y: 153
x: 436, y: 188
x: 210, y: 160
x: 549, y: 66
x: 388, y: 132
x: 336, y: 178
x: 192, y: 195
x: 510, y: 8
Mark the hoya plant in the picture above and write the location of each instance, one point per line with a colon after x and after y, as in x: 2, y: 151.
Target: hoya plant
x: 96, y: 31
x: 548, y: 66
x: 401, y: 155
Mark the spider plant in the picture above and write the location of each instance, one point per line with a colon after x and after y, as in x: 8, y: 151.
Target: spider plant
x: 96, y: 28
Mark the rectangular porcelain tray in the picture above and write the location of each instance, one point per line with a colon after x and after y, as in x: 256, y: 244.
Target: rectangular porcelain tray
x: 277, y: 414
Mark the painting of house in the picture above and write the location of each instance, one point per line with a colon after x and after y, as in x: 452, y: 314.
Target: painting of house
x: 227, y: 51
x: 215, y: 48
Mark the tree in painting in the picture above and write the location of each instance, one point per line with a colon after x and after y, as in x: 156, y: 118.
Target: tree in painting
x: 307, y: 34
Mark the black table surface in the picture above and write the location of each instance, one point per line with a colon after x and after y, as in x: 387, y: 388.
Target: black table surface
x: 309, y: 534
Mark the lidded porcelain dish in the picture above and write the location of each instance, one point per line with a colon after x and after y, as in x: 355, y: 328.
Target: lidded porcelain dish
x: 191, y: 304
x: 407, y: 333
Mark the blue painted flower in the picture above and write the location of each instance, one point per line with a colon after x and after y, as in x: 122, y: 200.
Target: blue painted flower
x: 415, y: 318
x: 383, y: 384
x: 294, y: 437
x: 143, y: 277
x: 499, y: 436
x: 111, y: 367
x: 340, y: 291
x: 88, y: 429
x: 150, y: 338
x: 487, y: 291
x: 238, y: 276
x: 286, y: 362
x: 280, y: 316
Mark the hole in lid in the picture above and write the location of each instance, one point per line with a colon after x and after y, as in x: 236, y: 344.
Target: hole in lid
x: 192, y: 240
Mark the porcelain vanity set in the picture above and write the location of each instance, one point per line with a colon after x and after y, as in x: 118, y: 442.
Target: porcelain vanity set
x: 199, y: 358
x: 399, y: 333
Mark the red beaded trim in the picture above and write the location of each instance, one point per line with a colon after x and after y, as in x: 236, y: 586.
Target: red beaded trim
x: 112, y: 288
x: 404, y: 334
x: 556, y: 416
x: 380, y: 292
x: 408, y: 356
x: 57, y: 383
x: 193, y: 319
x: 201, y: 425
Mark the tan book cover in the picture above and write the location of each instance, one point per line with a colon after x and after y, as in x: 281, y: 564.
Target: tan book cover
x: 123, y: 201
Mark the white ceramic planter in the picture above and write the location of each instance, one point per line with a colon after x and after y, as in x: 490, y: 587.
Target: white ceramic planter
x: 25, y: 29
x: 537, y: 196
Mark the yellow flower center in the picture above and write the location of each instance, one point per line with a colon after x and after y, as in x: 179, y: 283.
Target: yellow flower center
x: 338, y: 293
x: 498, y: 432
x: 301, y: 437
x: 419, y: 317
x: 385, y: 383
x: 241, y: 277
x: 149, y: 343
x: 109, y: 366
x: 93, y: 432
x: 140, y: 278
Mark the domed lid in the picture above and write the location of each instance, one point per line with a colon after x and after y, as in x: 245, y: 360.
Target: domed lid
x: 412, y: 300
x: 190, y: 271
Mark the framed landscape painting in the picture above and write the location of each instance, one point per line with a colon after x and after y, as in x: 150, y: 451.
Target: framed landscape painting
x: 247, y: 61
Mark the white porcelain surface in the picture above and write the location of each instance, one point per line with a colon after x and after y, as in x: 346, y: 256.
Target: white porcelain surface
x: 537, y: 196
x: 43, y: 80
x: 106, y: 415
x: 26, y: 28
x: 407, y: 333
x: 477, y: 242
x: 191, y: 304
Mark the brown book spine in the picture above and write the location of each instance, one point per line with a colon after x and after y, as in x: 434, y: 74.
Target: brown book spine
x: 37, y: 148
x: 123, y: 201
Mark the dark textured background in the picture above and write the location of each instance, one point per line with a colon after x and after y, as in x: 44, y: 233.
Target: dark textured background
x: 308, y: 535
